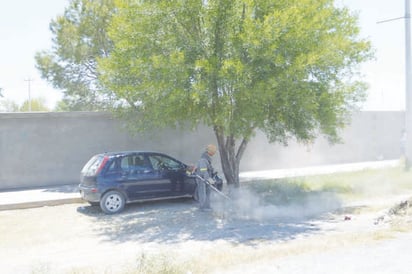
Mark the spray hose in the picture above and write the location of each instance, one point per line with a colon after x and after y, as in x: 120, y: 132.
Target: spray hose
x: 213, y: 187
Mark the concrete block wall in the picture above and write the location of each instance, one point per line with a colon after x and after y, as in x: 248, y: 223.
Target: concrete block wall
x: 371, y: 136
x: 46, y: 149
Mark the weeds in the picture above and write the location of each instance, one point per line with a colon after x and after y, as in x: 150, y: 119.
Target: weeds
x: 297, y: 194
x: 159, y: 263
x: 301, y: 191
x: 357, y: 184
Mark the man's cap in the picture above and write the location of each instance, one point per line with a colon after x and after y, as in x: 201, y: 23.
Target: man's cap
x: 211, y: 149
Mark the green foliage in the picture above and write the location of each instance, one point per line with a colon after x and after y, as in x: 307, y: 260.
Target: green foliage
x: 158, y: 263
x: 7, y: 105
x: 284, y: 67
x: 63, y: 105
x: 239, y: 65
x: 280, y: 191
x: 369, y: 183
x: 377, y: 182
x: 79, y: 38
x: 35, y: 104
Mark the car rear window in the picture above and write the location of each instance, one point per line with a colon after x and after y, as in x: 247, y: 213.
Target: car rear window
x: 93, y: 165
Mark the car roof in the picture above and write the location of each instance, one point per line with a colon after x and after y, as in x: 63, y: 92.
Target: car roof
x: 115, y: 154
x: 127, y: 152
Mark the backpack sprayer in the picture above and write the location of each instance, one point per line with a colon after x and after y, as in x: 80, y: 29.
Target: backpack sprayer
x: 214, y: 187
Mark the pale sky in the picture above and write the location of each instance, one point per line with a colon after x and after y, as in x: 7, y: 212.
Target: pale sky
x: 24, y: 29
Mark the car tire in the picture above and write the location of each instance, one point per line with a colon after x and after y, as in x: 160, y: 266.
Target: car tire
x: 112, y: 202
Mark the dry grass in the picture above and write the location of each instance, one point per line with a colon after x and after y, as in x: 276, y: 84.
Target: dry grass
x: 360, y: 190
x: 350, y: 187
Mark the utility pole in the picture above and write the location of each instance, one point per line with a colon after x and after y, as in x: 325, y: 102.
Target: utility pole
x: 29, y: 80
x: 408, y: 86
x: 406, y: 137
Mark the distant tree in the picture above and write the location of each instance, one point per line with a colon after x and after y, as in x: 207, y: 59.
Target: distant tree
x: 7, y: 105
x: 284, y: 67
x: 61, y: 106
x: 35, y: 104
x: 79, y: 38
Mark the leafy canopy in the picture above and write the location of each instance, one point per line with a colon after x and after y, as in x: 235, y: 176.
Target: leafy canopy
x: 284, y: 67
x: 79, y: 38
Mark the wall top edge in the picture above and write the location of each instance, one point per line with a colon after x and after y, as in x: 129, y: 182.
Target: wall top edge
x: 84, y: 114
x: 72, y: 114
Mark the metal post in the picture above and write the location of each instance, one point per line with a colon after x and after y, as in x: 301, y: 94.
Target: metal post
x: 406, y: 132
x: 408, y: 86
x: 29, y: 80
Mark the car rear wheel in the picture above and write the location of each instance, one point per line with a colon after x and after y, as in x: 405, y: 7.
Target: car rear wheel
x: 112, y: 202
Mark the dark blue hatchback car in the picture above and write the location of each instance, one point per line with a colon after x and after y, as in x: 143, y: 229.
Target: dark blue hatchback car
x: 114, y: 179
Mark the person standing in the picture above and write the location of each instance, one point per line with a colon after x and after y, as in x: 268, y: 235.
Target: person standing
x: 205, y: 171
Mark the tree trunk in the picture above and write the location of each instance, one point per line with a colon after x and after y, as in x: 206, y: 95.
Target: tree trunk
x: 230, y: 156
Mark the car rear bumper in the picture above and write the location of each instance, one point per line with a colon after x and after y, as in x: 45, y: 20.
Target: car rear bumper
x: 90, y: 194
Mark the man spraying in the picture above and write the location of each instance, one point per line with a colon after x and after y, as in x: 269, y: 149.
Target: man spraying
x: 205, y: 171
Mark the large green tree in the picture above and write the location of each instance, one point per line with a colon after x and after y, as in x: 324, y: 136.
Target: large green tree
x: 285, y: 67
x: 79, y: 37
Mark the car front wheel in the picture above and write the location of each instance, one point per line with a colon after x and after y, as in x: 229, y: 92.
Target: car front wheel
x: 112, y: 202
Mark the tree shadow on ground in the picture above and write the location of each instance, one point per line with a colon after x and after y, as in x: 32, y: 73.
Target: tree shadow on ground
x: 180, y: 220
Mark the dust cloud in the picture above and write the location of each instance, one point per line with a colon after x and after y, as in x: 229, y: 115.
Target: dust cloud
x: 246, y: 204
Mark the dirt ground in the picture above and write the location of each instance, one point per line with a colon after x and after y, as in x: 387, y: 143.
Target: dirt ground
x: 175, y: 237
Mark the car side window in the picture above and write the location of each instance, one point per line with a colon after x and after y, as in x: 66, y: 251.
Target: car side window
x: 134, y: 164
x: 160, y: 162
x: 140, y: 162
x: 113, y: 167
x: 125, y: 163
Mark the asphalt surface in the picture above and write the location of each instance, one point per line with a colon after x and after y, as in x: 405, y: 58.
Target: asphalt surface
x: 49, y: 196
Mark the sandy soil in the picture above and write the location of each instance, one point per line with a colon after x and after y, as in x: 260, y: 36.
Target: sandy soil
x: 175, y: 237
